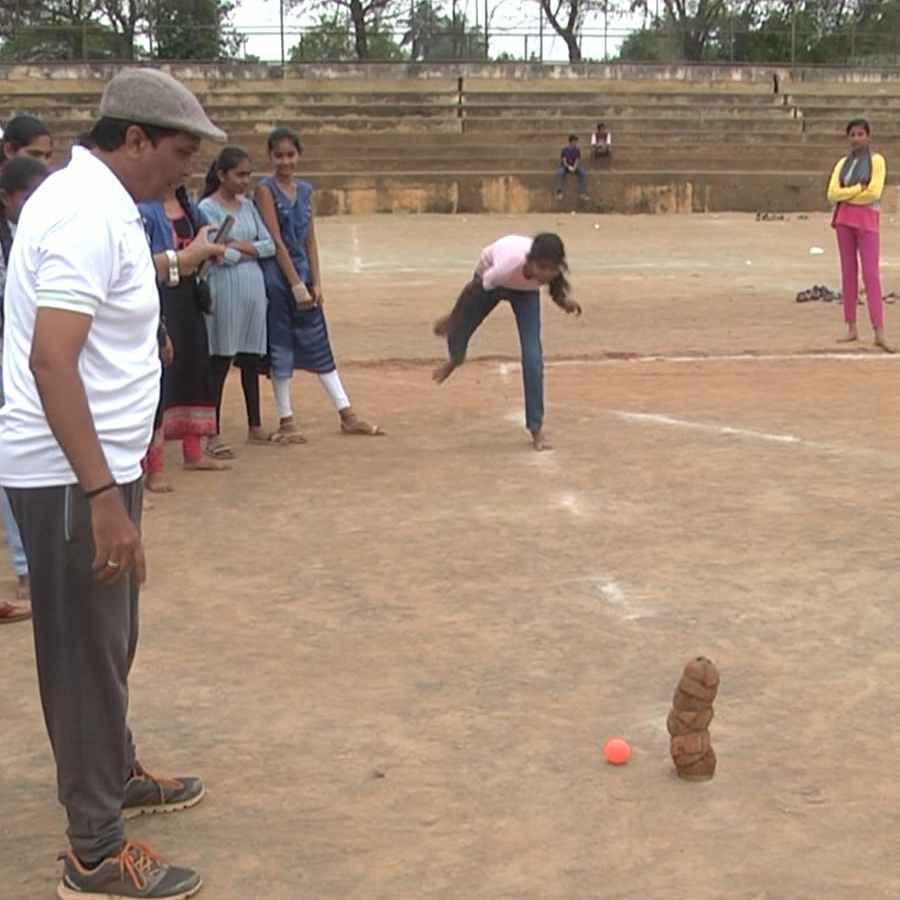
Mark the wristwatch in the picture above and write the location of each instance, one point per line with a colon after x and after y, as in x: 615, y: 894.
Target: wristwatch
x: 174, y: 273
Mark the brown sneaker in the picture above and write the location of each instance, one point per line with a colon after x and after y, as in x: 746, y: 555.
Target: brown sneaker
x: 135, y: 872
x: 146, y: 793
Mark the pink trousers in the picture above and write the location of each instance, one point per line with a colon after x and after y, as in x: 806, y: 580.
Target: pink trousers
x: 855, y: 246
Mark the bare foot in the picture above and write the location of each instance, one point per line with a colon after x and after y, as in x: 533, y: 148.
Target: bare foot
x: 442, y: 326
x: 851, y: 336
x: 206, y: 465
x: 539, y: 442
x: 258, y: 436
x: 23, y: 589
x: 442, y: 373
x: 13, y: 612
x: 881, y: 341
x: 156, y: 482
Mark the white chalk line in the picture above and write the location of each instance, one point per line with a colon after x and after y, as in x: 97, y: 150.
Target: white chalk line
x: 717, y: 358
x: 356, y: 262
x: 571, y: 503
x: 749, y: 434
x: 614, y: 596
x: 728, y: 430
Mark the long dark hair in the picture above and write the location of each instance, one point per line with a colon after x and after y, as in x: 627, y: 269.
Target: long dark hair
x: 202, y: 293
x: 549, y: 248
x: 277, y: 135
x: 18, y: 174
x: 230, y: 158
x: 21, y: 131
x: 184, y: 201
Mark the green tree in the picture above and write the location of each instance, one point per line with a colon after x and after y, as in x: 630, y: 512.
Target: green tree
x: 433, y: 35
x: 193, y: 29
x: 369, y: 22
x: 566, y: 18
x: 54, y: 30
x: 332, y: 39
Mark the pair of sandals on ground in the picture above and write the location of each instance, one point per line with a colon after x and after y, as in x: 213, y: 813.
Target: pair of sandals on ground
x: 288, y: 433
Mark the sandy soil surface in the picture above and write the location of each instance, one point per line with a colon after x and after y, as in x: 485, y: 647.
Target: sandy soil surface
x: 395, y: 661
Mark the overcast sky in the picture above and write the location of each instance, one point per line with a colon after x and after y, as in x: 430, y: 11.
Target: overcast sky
x: 259, y: 19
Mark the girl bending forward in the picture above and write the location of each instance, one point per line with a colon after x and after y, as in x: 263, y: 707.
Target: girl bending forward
x: 513, y: 268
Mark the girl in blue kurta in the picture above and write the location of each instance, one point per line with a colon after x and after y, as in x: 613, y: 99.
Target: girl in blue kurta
x: 298, y: 334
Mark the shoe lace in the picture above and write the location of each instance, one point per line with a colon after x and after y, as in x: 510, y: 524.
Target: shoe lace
x: 163, y: 780
x: 160, y: 780
x: 138, y: 861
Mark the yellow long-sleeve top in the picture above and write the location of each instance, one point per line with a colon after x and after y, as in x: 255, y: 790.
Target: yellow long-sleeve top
x: 858, y: 194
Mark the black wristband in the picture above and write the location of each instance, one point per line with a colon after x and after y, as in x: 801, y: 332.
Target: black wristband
x: 100, y: 490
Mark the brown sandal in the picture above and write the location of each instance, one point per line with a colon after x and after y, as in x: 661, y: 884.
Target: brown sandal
x: 285, y: 437
x: 355, y: 425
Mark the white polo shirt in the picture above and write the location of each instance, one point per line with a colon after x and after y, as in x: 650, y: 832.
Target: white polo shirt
x: 81, y: 247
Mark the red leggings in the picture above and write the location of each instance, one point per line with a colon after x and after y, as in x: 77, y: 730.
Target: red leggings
x: 191, y: 449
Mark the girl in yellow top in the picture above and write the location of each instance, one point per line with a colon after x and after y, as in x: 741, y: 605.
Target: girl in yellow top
x: 855, y: 189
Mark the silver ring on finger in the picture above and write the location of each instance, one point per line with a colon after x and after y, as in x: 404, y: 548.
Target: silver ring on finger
x: 113, y: 565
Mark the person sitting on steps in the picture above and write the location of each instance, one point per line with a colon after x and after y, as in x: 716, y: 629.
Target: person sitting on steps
x: 570, y: 164
x: 601, y: 142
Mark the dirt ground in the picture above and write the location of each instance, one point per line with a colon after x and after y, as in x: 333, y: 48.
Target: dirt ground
x: 395, y: 661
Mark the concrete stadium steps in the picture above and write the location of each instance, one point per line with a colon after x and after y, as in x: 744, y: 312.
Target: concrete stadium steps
x: 458, y: 153
x: 608, y: 113
x: 844, y: 102
x: 583, y: 126
x: 617, y: 98
x: 592, y: 84
x: 837, y: 126
x: 407, y: 139
x: 630, y: 192
x: 639, y: 162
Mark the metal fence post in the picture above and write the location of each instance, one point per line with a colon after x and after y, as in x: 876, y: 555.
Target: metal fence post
x: 793, y: 34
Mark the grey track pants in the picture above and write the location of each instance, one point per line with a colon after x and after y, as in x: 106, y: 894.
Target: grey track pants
x: 85, y: 636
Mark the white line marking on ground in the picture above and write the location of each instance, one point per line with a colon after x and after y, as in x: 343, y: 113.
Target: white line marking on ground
x: 616, y: 597
x: 765, y: 436
x: 612, y: 594
x: 356, y: 263
x: 658, y: 419
x: 731, y: 357
x: 503, y: 369
x: 570, y: 503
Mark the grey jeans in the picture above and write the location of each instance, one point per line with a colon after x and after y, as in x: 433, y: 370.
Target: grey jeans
x: 85, y: 637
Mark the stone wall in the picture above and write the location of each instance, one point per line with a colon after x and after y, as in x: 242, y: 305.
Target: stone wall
x: 675, y: 73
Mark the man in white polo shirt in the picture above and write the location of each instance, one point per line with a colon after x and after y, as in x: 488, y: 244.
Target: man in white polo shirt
x: 81, y: 378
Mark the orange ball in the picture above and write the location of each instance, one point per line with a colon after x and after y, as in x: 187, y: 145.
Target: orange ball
x: 617, y: 751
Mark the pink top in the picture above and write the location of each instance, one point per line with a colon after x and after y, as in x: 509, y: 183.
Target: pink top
x: 502, y: 262
x: 863, y: 218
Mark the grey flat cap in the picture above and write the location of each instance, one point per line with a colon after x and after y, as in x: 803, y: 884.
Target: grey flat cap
x: 151, y: 97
